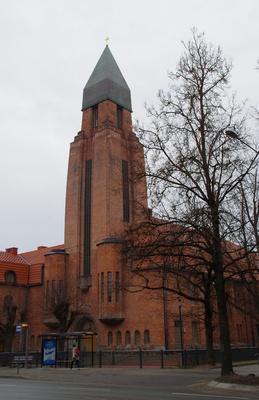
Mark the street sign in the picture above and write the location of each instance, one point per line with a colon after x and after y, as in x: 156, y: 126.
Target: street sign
x: 18, y: 329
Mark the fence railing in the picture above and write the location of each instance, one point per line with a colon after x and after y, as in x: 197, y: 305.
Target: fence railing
x: 141, y: 358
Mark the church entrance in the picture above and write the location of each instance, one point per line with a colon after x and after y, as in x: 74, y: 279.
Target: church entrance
x: 87, y: 328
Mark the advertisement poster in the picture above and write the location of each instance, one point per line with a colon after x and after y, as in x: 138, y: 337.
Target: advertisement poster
x: 49, y: 352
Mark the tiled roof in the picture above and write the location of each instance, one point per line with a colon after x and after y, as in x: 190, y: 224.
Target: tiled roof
x: 37, y: 256
x: 27, y: 266
x: 11, y: 258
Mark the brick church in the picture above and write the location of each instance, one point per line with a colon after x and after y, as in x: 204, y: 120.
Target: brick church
x: 87, y: 271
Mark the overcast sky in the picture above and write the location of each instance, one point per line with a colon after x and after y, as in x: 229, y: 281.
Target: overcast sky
x: 48, y: 51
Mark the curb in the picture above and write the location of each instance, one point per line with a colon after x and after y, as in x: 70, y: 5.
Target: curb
x: 231, y: 386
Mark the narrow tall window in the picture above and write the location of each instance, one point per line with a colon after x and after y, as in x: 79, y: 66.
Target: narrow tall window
x: 118, y: 339
x: 95, y: 116
x: 87, y: 244
x: 146, y: 338
x: 47, y: 293
x: 53, y: 290
x: 125, y: 188
x: 119, y: 117
x: 137, y: 338
x: 117, y: 286
x: 194, y: 332
x: 239, y: 333
x: 109, y: 286
x: 127, y: 338
x: 177, y: 334
x: 110, y: 339
x: 102, y: 287
x: 60, y: 290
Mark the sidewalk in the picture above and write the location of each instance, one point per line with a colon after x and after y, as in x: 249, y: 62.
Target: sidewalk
x: 62, y: 374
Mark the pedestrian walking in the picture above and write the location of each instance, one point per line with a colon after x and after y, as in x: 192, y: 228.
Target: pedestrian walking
x: 75, y: 357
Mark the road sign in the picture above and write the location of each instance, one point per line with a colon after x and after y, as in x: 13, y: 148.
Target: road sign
x: 18, y: 330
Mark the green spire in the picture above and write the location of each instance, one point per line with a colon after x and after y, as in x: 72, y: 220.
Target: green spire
x: 106, y: 83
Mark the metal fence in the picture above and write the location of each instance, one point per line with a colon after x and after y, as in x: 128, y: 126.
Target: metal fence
x: 140, y: 358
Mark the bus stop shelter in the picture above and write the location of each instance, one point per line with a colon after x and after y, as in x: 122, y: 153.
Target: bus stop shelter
x: 57, y: 348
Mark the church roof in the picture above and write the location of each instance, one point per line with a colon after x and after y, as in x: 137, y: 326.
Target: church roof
x: 106, y: 83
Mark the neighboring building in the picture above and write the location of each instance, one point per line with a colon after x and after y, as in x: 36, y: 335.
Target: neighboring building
x: 88, y: 270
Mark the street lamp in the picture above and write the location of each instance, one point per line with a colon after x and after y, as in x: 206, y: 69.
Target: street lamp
x: 234, y: 135
x: 181, y: 332
x: 181, y: 322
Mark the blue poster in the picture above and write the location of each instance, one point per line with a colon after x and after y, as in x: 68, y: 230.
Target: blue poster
x: 49, y: 352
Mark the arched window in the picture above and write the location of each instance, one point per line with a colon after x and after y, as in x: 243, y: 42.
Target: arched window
x: 39, y: 343
x: 127, y: 338
x: 118, y: 339
x: 32, y: 342
x: 137, y: 338
x: 110, y: 339
x: 8, y: 304
x: 10, y: 276
x: 146, y: 338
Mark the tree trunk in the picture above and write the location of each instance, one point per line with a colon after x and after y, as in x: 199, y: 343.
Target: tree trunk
x: 226, y: 356
x: 225, y: 347
x: 209, y: 333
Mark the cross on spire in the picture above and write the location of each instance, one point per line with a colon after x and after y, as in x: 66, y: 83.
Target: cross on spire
x: 106, y: 40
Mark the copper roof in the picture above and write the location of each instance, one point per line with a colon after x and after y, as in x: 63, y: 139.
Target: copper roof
x: 106, y: 83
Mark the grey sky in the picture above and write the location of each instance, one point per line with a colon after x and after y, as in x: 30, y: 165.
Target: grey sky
x: 48, y: 51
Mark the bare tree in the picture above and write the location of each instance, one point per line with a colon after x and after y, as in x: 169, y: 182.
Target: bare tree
x: 194, y: 169
x: 60, y: 305
x: 13, y: 310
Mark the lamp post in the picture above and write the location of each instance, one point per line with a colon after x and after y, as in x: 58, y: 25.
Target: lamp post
x: 26, y: 326
x: 234, y: 135
x: 181, y: 332
x: 181, y: 322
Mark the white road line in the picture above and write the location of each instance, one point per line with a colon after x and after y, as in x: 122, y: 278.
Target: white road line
x: 6, y: 384
x: 87, y: 388
x: 210, y: 396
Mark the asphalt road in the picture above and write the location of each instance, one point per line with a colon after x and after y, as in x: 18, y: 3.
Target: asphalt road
x: 124, y: 384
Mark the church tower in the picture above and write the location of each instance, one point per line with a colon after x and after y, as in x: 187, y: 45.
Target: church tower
x: 100, y: 199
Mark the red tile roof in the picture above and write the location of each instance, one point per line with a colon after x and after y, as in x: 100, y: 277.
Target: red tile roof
x: 27, y: 266
x: 35, y: 257
x: 11, y: 258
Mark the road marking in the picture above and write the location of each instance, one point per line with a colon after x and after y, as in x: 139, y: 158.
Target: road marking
x: 87, y: 388
x: 6, y: 384
x: 210, y: 396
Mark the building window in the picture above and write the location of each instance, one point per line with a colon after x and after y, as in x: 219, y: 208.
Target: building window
x: 177, y: 333
x: 10, y: 277
x: 146, y: 338
x: 110, y: 339
x: 193, y: 293
x: 102, y: 287
x: 32, y: 342
x: 87, y: 221
x: 109, y: 287
x: 95, y: 116
x: 239, y: 333
x: 8, y: 307
x: 118, y: 339
x: 137, y: 338
x: 117, y: 285
x: 194, y: 332
x: 47, y: 293
x: 127, y: 338
x: 125, y: 189
x: 119, y: 117
x: 53, y: 291
x: 60, y: 290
